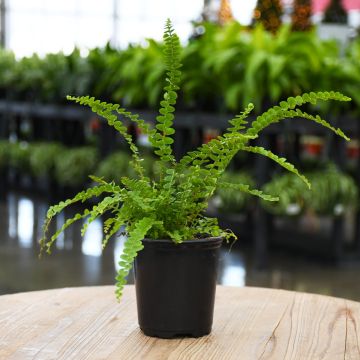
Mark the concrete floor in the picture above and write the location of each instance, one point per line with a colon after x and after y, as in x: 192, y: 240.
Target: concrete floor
x: 80, y: 262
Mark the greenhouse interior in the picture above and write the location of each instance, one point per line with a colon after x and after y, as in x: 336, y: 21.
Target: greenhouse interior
x: 123, y: 122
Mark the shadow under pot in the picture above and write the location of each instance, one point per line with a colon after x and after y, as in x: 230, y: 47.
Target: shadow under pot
x: 175, y: 287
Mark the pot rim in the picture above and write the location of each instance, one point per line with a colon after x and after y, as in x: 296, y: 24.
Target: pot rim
x: 210, y: 239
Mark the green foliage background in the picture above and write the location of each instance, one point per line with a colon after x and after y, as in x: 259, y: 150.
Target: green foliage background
x: 333, y: 193
x: 223, y: 70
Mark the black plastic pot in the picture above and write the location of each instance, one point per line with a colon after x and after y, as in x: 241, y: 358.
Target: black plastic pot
x: 175, y: 287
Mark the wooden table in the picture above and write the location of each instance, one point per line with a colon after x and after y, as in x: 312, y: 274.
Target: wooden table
x: 249, y: 323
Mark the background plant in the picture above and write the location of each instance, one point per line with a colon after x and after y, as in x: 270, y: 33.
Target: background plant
x: 73, y: 165
x: 114, y: 166
x: 103, y: 79
x: 332, y: 192
x: 140, y: 73
x: 19, y: 155
x: 223, y: 70
x: 244, y: 66
x: 7, y: 73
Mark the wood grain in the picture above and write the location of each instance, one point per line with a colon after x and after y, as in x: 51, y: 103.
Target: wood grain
x: 249, y: 323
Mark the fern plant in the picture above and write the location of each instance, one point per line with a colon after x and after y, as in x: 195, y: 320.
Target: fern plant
x: 173, y: 205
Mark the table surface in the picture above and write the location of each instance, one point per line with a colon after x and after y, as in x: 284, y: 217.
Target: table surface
x: 249, y: 323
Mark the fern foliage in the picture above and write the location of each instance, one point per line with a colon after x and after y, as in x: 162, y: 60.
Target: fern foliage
x: 246, y: 189
x: 173, y: 206
x: 289, y: 109
x: 162, y: 139
x: 132, y: 246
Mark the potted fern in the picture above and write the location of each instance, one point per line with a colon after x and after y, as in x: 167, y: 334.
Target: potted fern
x: 173, y: 244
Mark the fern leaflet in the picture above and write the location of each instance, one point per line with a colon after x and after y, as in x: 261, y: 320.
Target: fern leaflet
x: 132, y: 246
x: 246, y: 188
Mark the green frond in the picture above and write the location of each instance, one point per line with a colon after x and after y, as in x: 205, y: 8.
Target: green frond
x: 224, y: 146
x: 245, y: 188
x: 169, y: 181
x: 238, y: 122
x: 175, y: 236
x: 106, y: 204
x: 162, y: 138
x: 317, y: 119
x: 114, y: 224
x: 208, y: 225
x: 277, y: 113
x: 313, y: 98
x: 98, y: 180
x: 117, y: 226
x: 107, y: 111
x: 281, y: 161
x: 80, y: 197
x: 132, y: 246
x: 135, y: 118
x: 218, y: 152
x: 46, y: 245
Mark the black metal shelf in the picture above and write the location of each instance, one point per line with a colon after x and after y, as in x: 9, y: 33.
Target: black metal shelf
x: 48, y: 111
x: 183, y: 119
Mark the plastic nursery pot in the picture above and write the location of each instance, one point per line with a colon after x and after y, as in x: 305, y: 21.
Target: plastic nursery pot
x: 175, y: 287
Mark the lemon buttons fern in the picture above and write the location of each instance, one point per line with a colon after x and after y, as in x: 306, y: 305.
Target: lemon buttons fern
x: 173, y: 206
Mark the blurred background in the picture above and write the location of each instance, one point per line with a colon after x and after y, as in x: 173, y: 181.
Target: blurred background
x: 233, y: 52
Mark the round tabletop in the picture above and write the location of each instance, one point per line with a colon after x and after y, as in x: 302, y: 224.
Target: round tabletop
x: 249, y: 323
